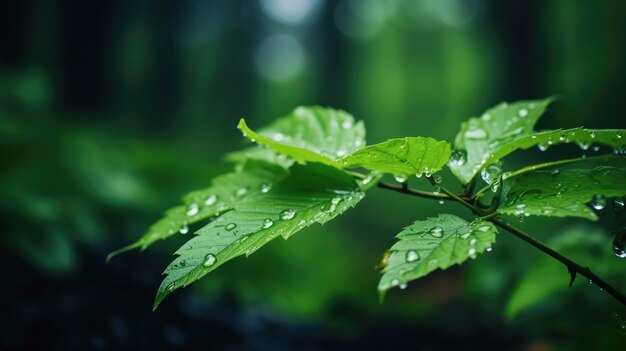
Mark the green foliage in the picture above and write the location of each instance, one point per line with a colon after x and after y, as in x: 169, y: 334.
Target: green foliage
x: 563, y: 192
x: 228, y: 190
x: 480, y: 137
x: 405, y: 156
x: 311, y: 134
x: 434, y: 243
x: 314, y: 193
x: 303, y: 173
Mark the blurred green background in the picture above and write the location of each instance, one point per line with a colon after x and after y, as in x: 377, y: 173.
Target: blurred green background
x: 110, y: 111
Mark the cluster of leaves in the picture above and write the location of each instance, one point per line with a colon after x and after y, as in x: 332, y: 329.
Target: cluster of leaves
x: 304, y: 172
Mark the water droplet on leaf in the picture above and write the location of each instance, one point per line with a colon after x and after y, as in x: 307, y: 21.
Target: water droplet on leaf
x: 230, y: 226
x: 267, y: 223
x: 412, y: 256
x: 193, y: 210
x: 265, y: 188
x: 400, y: 178
x: 210, y: 200
x: 209, y: 260
x: 598, y: 202
x: 458, y: 157
x: 523, y: 112
x: 287, y: 214
x: 184, y: 229
x: 436, y: 232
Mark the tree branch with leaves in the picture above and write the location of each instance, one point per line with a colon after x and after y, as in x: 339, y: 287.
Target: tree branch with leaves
x: 314, y: 164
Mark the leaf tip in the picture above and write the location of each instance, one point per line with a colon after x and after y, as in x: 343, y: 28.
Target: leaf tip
x: 121, y: 251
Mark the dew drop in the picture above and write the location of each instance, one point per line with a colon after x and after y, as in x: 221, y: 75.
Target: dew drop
x: 287, y: 214
x: 193, y: 210
x: 484, y: 228
x: 436, y: 232
x: 241, y: 192
x: 619, y: 135
x: 265, y: 188
x: 584, y: 145
x: 436, y: 189
x: 441, y: 202
x: 471, y: 251
x: 598, y: 201
x: 458, y: 157
x: 426, y: 172
x: 209, y: 260
x: 489, y: 249
x: 400, y: 178
x: 419, y: 175
x: 210, y: 200
x: 437, y: 179
x: 230, y: 226
x: 403, y: 286
x: 473, y: 241
x: 395, y: 282
x: 491, y: 173
x: 523, y: 112
x: 543, y: 147
x: 619, y: 244
x: 412, y: 256
x: 267, y: 223
x: 184, y: 229
x: 346, y: 124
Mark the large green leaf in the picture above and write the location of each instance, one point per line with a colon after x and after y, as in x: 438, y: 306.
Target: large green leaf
x: 311, y: 134
x: 480, y: 137
x: 312, y: 193
x: 255, y: 178
x: 563, y: 192
x: 548, y: 277
x: 435, y: 243
x: 404, y: 156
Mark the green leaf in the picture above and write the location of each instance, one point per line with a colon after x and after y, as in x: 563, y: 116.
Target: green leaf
x: 480, y: 137
x: 548, y: 277
x: 241, y: 157
x: 435, y: 243
x: 563, y: 192
x: 581, y: 136
x: 312, y: 193
x: 311, y: 134
x: 404, y: 156
x: 252, y: 180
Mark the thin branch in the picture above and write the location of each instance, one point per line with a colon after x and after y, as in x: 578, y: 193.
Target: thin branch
x: 572, y: 267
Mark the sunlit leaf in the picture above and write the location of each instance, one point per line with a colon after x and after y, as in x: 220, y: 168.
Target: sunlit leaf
x: 254, y: 179
x: 312, y: 193
x: 311, y: 134
x: 563, y: 192
x: 480, y: 137
x: 435, y: 243
x: 404, y: 156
